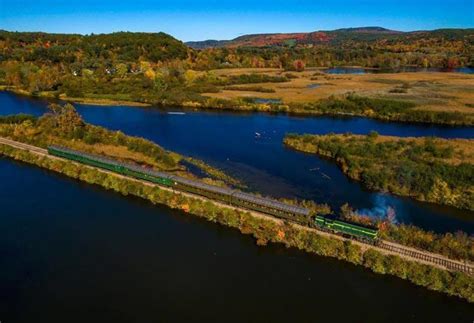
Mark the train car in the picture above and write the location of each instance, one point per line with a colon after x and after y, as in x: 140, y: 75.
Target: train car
x: 229, y: 196
x: 203, y: 189
x: 161, y: 178
x: 112, y: 165
x: 276, y: 208
x: 348, y: 229
x: 149, y: 175
x: 85, y: 158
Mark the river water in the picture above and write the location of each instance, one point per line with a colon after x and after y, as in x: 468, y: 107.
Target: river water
x: 249, y: 146
x: 71, y: 252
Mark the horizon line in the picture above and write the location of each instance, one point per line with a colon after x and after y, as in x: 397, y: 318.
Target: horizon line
x: 239, y: 35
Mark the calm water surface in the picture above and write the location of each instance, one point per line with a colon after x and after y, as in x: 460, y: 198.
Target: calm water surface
x: 72, y: 252
x: 229, y: 141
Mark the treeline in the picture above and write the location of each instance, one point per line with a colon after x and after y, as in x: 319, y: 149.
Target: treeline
x: 265, y: 230
x: 350, y: 105
x: 383, y: 109
x: 89, y: 50
x: 441, y: 48
x: 17, y: 118
x: 450, y: 55
x: 457, y: 245
x: 427, y: 169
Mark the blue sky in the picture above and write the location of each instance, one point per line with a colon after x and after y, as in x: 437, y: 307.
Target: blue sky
x: 199, y: 20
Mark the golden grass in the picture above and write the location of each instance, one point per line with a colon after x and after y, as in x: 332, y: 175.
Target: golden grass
x: 239, y: 71
x: 430, y: 91
x: 104, y: 102
x: 116, y: 152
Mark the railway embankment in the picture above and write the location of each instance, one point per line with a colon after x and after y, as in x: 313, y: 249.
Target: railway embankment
x: 415, y: 266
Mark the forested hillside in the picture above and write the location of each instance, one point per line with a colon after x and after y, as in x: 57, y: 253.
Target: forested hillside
x: 368, y: 46
x: 155, y: 68
x: 70, y: 48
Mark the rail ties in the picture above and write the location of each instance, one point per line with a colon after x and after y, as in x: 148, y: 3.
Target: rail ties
x: 23, y: 146
x: 449, y: 264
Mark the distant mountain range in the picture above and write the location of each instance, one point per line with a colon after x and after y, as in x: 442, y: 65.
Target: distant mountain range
x: 321, y: 37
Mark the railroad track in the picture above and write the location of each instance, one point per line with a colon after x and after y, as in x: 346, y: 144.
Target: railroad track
x: 427, y: 257
x: 23, y: 146
x: 393, y: 248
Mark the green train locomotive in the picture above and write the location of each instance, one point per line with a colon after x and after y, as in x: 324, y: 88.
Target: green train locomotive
x: 347, y: 229
x: 248, y: 201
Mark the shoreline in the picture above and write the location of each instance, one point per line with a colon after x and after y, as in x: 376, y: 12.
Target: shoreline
x: 104, y: 102
x: 284, y: 109
x: 88, y: 101
x: 263, y: 227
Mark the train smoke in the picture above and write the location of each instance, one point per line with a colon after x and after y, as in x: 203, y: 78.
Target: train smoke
x: 382, y: 210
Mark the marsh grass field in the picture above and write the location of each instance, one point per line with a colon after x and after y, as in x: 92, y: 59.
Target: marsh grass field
x: 431, y: 91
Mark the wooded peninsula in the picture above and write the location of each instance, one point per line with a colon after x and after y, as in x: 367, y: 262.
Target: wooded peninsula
x: 427, y: 169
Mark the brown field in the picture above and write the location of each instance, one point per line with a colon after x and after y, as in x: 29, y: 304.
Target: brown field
x: 430, y: 91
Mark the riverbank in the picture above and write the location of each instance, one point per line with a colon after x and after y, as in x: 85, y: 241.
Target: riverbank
x: 103, y: 102
x: 343, y: 106
x: 427, y: 97
x: 427, y: 169
x: 348, y: 105
x: 422, y: 97
x: 263, y: 228
x: 90, y: 101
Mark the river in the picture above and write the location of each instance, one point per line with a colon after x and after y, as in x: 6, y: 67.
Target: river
x: 72, y: 252
x: 249, y: 146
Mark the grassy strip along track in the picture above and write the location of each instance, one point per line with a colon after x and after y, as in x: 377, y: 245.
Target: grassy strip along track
x: 264, y: 228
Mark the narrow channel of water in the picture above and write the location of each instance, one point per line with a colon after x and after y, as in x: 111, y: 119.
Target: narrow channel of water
x: 249, y: 146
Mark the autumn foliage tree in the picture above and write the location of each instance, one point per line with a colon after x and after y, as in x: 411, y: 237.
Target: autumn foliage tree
x: 299, y: 65
x: 66, y: 120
